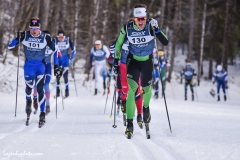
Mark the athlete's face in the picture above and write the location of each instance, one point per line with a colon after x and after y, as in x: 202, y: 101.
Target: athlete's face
x: 140, y: 22
x: 98, y: 46
x: 61, y: 38
x: 35, y: 31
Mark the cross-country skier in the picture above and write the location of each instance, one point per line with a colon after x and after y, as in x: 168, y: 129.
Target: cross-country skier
x: 35, y: 44
x: 188, y: 74
x: 99, y: 53
x: 64, y: 43
x: 163, y: 68
x: 124, y: 84
x: 140, y: 34
x: 220, y: 76
x: 48, y: 74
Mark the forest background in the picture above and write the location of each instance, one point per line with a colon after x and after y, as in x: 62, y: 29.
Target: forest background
x: 206, y: 30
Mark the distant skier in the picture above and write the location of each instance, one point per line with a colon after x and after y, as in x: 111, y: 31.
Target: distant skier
x: 221, y: 76
x: 48, y: 74
x: 163, y: 64
x: 35, y: 44
x: 64, y: 43
x: 100, y: 53
x: 188, y: 74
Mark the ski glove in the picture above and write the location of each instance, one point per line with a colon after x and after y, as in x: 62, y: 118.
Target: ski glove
x: 71, y: 60
x: 20, y: 35
x: 116, y: 66
x: 154, y: 23
x: 57, y: 71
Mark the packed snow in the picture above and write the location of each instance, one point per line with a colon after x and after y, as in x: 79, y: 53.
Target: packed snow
x: 203, y: 129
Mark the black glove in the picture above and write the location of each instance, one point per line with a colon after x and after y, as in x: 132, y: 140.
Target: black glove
x: 57, y: 71
x: 20, y: 35
x: 116, y: 66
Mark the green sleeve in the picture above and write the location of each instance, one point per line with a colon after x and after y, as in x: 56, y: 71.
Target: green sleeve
x: 119, y: 43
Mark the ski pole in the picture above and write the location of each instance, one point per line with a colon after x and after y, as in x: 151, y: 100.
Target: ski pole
x: 108, y: 88
x: 162, y: 82
x: 56, y: 98
x: 61, y: 93
x: 73, y: 76
x: 114, y: 122
x: 17, y: 74
x: 228, y: 94
x: 113, y: 101
x: 196, y: 92
x: 172, y: 90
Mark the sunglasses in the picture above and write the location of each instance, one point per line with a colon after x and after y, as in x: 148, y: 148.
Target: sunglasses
x: 34, y: 28
x: 60, y: 36
x: 140, y: 19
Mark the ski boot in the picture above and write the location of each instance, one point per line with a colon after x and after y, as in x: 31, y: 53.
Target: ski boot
x: 66, y: 93
x: 28, y: 110
x: 58, y: 92
x: 192, y: 97
x: 123, y: 108
x: 47, y: 109
x: 146, y: 120
x: 225, y: 98
x: 129, y: 129
x: 139, y: 121
x: 35, y: 104
x: 146, y: 115
x: 218, y: 98
x: 95, y: 92
x: 156, y: 95
x: 41, y: 119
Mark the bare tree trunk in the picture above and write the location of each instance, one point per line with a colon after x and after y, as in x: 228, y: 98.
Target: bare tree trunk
x: 162, y: 9
x: 191, y: 30
x: 150, y: 6
x: 55, y: 16
x: 76, y: 20
x: 105, y: 20
x: 229, y: 7
x: 169, y: 6
x: 44, y: 14
x: 174, y: 39
x: 36, y: 8
x: 95, y: 20
x: 210, y: 70
x: 202, y: 42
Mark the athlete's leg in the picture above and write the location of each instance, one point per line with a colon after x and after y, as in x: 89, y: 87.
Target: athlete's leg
x: 47, y: 82
x: 40, y: 74
x: 133, y: 73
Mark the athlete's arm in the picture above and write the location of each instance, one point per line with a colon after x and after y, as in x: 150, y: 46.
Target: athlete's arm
x: 15, y: 41
x: 72, y: 48
x: 119, y: 43
x: 160, y: 35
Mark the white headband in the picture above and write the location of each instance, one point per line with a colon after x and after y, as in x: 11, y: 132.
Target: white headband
x: 139, y: 12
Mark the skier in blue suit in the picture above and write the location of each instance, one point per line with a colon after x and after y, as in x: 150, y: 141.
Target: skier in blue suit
x: 34, y: 43
x: 221, y: 76
x: 64, y: 43
x: 48, y: 74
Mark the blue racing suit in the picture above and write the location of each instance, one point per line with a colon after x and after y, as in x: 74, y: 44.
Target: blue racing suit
x: 64, y: 47
x: 34, y: 67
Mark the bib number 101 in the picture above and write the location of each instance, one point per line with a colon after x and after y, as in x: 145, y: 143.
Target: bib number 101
x: 138, y: 40
x: 34, y: 45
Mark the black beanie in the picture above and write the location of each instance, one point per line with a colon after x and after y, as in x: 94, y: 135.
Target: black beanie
x: 35, y: 23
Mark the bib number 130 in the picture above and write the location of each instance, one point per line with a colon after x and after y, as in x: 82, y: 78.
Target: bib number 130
x: 139, y: 40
